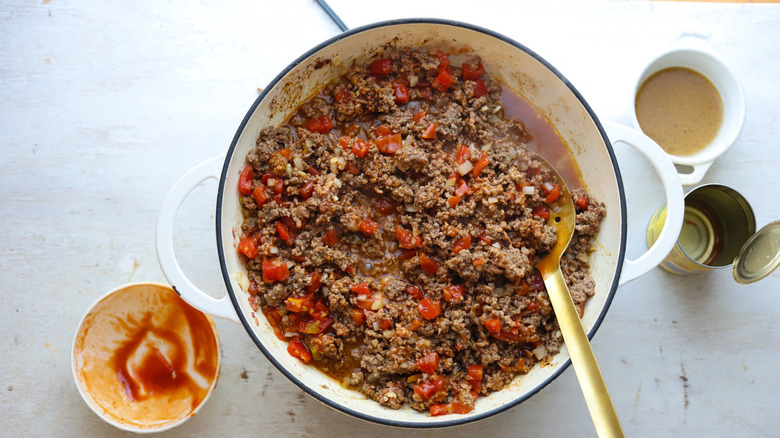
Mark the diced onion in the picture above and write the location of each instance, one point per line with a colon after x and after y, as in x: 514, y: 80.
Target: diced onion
x: 243, y: 280
x: 408, y: 141
x: 492, y: 200
x: 497, y: 109
x: 484, y: 108
x: 271, y: 182
x: 410, y: 209
x: 465, y: 168
x: 548, y: 186
x: 376, y: 325
x: 298, y: 163
x: 413, y: 80
x: 486, y: 147
x: 273, y: 250
x: 540, y: 352
x: 289, y: 334
x: 529, y: 190
x: 337, y: 182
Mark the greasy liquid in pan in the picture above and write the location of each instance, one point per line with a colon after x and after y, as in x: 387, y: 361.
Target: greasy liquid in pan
x: 680, y: 109
x: 544, y: 138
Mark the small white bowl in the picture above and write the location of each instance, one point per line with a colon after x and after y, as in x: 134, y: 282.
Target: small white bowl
x: 694, y: 52
x: 143, y: 359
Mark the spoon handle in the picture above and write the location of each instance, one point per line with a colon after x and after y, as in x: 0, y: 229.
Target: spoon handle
x: 602, y: 411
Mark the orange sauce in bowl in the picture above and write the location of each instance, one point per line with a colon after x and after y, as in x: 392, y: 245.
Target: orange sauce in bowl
x: 144, y: 358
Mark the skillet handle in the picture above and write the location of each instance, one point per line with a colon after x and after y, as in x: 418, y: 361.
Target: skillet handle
x: 222, y: 307
x: 675, y: 204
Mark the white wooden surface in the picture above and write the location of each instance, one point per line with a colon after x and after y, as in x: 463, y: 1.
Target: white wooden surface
x: 104, y: 104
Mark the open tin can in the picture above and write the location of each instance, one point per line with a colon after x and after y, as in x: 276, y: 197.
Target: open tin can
x: 719, y: 230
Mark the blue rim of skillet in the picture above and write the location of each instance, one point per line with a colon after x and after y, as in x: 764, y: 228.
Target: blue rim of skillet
x: 246, y: 323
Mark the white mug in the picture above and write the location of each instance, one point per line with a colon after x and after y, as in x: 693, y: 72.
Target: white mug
x: 693, y: 51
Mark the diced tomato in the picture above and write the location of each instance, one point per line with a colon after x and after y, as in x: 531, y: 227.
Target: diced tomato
x: 533, y: 307
x: 493, y: 325
x: 429, y: 309
x: 470, y: 72
x: 368, y: 227
x: 389, y: 144
x: 428, y: 363
x: 253, y: 288
x: 321, y: 124
x: 260, y: 197
x: 248, y: 247
x: 430, y: 131
x: 462, y: 189
x: 315, y: 281
x: 358, y: 316
x: 475, y: 377
x: 283, y: 232
x: 463, y: 154
x: 331, y: 237
x: 542, y: 212
x: 553, y: 194
x: 360, y: 147
x: 386, y: 324
x: 454, y: 292
x: 414, y: 292
x: 401, y: 92
x: 299, y: 305
x: 373, y: 302
x: 406, y: 239
x: 307, y: 190
x: 279, y: 186
x: 361, y: 288
x: 443, y: 81
x: 428, y: 265
x: 479, y: 261
x: 437, y: 410
x: 483, y: 237
x: 480, y: 164
x: 312, y: 170
x: 416, y: 323
x: 245, y: 180
x: 461, y: 244
x: 352, y: 168
x: 444, y: 60
x: 480, y: 89
x: 345, y: 141
x: 425, y: 93
x: 313, y: 326
x: 380, y: 67
x: 383, y: 130
x: 384, y: 206
x: 274, y: 270
x: 427, y: 388
x: 298, y: 349
x: 342, y: 95
x: 459, y: 408
x: 453, y: 201
x: 286, y: 153
x: 417, y: 117
x: 582, y: 202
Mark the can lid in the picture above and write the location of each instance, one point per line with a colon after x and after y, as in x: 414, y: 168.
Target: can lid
x: 759, y: 256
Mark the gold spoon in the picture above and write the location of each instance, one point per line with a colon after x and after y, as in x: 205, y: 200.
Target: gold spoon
x: 602, y: 411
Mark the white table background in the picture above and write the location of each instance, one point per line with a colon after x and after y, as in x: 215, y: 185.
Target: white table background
x: 103, y: 105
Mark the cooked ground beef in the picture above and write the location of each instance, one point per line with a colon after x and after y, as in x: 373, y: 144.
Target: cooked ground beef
x: 391, y: 230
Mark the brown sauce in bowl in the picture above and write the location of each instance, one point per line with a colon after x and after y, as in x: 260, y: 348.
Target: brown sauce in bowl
x: 680, y: 109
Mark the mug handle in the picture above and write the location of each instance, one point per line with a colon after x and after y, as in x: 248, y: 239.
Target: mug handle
x: 695, y: 176
x: 222, y: 307
x: 675, y: 204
